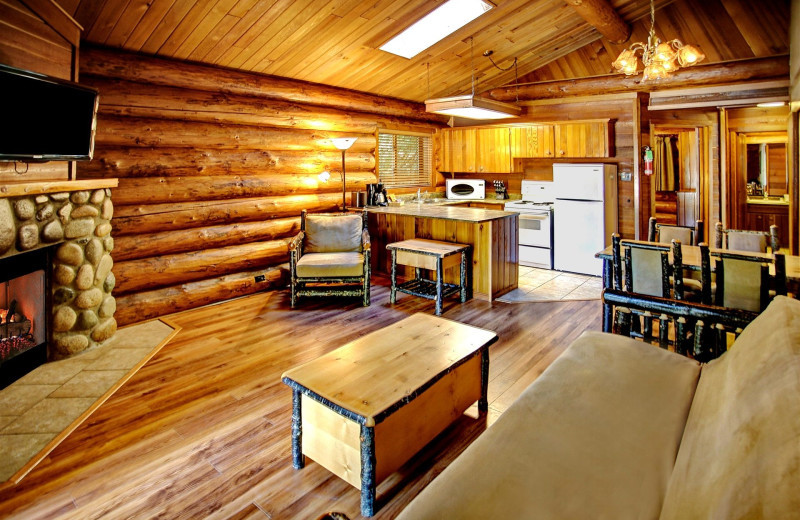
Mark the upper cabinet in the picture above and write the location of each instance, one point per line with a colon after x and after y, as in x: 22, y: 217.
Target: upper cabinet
x: 532, y: 141
x: 582, y: 139
x: 476, y: 150
x: 492, y: 149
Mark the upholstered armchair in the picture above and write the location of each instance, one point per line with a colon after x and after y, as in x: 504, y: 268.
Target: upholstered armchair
x: 330, y: 256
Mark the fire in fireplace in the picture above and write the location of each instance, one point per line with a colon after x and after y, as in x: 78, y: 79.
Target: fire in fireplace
x: 23, y: 314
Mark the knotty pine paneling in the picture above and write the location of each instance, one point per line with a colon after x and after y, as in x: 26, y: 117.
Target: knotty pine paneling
x: 620, y: 109
x: 29, y: 41
x: 723, y: 30
x: 212, y: 179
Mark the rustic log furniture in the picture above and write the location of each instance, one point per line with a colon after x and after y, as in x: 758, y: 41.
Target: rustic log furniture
x: 664, y: 233
x: 745, y: 240
x: 616, y: 428
x: 330, y: 256
x: 743, y: 281
x: 784, y: 270
x: 435, y: 256
x: 366, y: 408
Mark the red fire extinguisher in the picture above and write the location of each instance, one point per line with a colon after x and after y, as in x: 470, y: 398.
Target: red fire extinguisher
x: 648, y: 160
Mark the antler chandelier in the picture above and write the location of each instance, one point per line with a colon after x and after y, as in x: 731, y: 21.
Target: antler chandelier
x: 659, y: 59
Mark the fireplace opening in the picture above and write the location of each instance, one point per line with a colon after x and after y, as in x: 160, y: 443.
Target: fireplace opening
x: 24, y: 311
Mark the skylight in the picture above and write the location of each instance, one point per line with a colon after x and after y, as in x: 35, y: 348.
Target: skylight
x: 436, y: 25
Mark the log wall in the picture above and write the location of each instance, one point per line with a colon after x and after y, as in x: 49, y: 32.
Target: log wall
x: 214, y: 167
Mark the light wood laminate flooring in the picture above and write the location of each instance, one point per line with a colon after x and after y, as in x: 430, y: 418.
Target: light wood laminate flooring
x: 203, y: 429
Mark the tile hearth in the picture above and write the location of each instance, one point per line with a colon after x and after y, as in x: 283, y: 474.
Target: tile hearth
x: 44, y: 403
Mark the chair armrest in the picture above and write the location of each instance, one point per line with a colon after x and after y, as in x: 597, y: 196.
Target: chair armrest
x: 296, y: 242
x: 365, y: 243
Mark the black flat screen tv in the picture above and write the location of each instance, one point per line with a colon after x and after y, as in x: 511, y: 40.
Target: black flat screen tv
x: 45, y: 118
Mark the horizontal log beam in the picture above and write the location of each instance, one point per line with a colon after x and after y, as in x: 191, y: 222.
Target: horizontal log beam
x: 176, y: 162
x: 146, y: 305
x: 136, y: 99
x: 131, y: 247
x: 130, y: 220
x: 159, y: 71
x: 133, y: 131
x: 163, y: 271
x: 775, y: 67
x: 183, y: 189
x: 602, y: 16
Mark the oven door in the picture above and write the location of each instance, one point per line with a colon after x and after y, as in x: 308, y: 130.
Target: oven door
x: 534, y: 229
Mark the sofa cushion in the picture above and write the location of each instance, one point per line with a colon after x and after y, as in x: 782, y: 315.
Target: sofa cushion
x: 595, y: 436
x: 740, y: 454
x: 327, y: 265
x: 326, y: 234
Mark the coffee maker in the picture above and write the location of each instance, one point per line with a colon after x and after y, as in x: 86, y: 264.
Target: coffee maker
x: 376, y: 195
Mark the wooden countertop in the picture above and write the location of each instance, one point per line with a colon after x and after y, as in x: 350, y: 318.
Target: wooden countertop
x: 443, y: 211
x: 16, y: 189
x: 767, y: 202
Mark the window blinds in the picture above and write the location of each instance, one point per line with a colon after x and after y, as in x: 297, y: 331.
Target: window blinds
x: 404, y: 160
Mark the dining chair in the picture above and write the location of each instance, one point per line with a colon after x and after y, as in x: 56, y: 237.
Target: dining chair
x: 665, y: 233
x: 646, y: 269
x: 746, y: 240
x: 742, y: 281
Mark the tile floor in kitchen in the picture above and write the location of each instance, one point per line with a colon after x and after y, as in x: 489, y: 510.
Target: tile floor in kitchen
x: 544, y: 284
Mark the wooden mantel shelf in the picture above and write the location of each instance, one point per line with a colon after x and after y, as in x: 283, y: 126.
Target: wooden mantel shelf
x: 16, y: 189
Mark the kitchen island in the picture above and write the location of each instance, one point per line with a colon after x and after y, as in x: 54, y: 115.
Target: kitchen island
x: 491, y: 233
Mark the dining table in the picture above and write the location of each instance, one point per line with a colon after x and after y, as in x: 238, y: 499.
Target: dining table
x: 691, y: 259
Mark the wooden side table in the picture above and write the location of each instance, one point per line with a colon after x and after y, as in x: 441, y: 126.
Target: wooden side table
x: 435, y: 256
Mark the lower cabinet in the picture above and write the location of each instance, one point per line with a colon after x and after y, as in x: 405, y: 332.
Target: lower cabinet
x: 760, y: 217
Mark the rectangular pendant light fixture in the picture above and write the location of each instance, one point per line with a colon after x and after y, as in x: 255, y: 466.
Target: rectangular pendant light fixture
x: 436, y: 25
x: 472, y: 107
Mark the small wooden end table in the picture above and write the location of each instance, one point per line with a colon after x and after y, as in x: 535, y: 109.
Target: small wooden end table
x: 366, y: 408
x: 435, y: 256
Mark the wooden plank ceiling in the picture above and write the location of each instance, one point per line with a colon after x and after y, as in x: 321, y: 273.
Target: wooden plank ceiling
x: 336, y: 42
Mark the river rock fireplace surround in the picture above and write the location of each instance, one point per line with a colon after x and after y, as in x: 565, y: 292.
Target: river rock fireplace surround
x: 69, y: 224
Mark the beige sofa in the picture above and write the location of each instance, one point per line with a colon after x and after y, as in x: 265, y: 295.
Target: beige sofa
x: 617, y: 429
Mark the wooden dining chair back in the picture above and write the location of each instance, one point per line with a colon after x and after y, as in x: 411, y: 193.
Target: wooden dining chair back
x: 746, y: 240
x: 647, y: 268
x: 742, y: 281
x: 666, y: 233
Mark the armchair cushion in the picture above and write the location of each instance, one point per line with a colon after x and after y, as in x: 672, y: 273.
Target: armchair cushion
x: 329, y: 234
x: 331, y: 265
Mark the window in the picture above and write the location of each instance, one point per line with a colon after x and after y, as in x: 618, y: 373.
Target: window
x: 404, y: 160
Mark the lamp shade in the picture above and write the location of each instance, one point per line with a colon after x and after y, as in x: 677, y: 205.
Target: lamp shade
x: 343, y: 143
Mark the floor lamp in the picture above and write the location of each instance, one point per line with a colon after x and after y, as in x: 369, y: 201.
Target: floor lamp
x: 343, y: 143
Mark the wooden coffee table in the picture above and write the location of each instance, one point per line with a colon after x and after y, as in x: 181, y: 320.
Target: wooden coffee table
x: 366, y: 408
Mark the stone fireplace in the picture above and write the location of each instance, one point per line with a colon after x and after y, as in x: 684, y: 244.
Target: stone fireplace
x: 69, y: 224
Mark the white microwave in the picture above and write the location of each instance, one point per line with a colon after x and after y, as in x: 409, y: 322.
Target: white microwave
x: 468, y: 189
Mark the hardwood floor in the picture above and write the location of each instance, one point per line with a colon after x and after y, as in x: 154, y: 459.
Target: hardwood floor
x: 202, y: 430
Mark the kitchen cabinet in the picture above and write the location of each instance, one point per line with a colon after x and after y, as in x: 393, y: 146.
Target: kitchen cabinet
x: 532, y: 141
x: 491, y: 149
x: 582, y: 139
x: 759, y: 217
x: 476, y: 150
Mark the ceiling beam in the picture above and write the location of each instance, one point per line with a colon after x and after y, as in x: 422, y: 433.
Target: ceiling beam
x: 602, y: 16
x: 773, y: 67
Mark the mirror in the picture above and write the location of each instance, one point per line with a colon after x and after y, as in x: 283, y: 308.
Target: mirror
x: 765, y: 164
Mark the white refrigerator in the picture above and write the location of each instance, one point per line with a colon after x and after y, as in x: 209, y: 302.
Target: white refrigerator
x: 584, y: 216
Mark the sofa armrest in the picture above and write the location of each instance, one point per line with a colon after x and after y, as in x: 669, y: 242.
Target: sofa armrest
x: 296, y: 243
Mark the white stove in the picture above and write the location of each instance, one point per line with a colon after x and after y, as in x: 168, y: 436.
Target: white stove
x: 535, y: 223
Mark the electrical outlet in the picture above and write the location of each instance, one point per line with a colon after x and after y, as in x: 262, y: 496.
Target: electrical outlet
x: 261, y: 278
